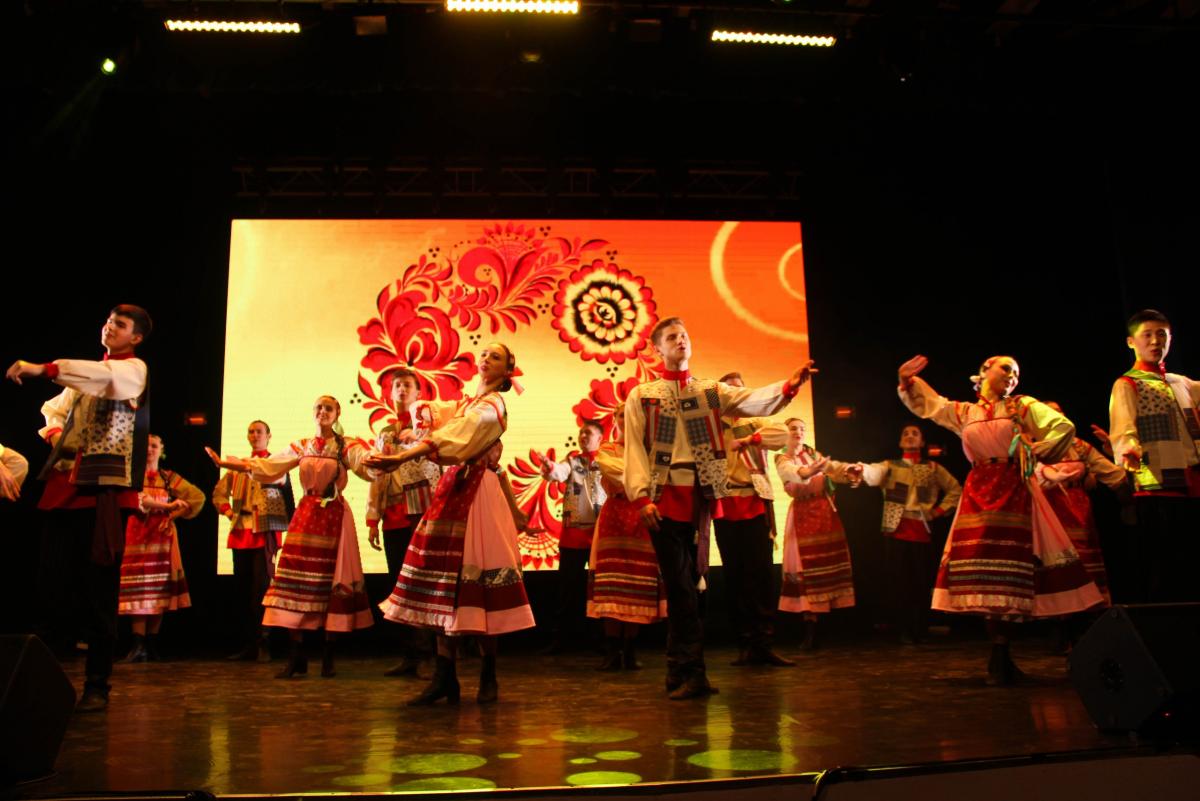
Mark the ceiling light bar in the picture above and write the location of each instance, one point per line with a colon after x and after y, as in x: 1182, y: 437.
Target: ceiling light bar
x: 747, y: 37
x: 214, y: 26
x: 516, y: 6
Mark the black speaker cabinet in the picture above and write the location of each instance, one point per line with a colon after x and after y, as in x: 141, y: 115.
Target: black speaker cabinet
x: 36, y: 701
x: 1138, y: 669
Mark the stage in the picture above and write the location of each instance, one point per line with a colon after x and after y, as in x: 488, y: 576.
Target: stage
x: 230, y: 728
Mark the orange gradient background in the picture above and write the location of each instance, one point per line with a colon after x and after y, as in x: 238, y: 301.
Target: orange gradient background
x: 300, y: 290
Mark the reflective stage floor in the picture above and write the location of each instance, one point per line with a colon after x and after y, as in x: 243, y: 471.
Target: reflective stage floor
x: 230, y: 727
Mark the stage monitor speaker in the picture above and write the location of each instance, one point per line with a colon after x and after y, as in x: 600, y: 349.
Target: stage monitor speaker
x: 1138, y: 669
x: 36, y: 701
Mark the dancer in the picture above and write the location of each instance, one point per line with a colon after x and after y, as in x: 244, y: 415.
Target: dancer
x: 911, y: 487
x: 258, y: 515
x: 744, y: 524
x: 97, y: 428
x: 152, y: 579
x: 817, y: 574
x: 1154, y: 422
x: 13, y: 469
x: 583, y: 498
x: 462, y: 572
x: 318, y: 583
x: 1007, y: 558
x: 624, y: 587
x: 674, y: 470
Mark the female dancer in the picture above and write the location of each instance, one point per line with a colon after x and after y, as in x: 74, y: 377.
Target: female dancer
x: 1007, y: 557
x: 318, y: 582
x: 462, y: 572
x: 624, y: 588
x: 817, y: 576
x: 152, y: 580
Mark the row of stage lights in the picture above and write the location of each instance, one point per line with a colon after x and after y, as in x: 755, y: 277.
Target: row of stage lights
x: 545, y: 7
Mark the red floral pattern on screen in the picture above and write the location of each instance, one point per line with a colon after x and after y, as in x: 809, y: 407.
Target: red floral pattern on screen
x: 604, y: 312
x: 542, y: 501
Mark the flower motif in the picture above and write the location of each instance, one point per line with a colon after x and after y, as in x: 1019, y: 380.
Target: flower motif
x: 604, y: 312
x: 413, y: 334
x: 601, y: 402
x: 539, y: 499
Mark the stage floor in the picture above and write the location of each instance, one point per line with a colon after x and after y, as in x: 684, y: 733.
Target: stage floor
x: 231, y: 728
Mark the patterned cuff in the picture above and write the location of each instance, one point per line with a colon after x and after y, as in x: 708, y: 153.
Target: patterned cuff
x: 51, y: 371
x: 433, y: 448
x: 225, y: 509
x: 51, y: 434
x: 756, y: 438
x: 790, y: 390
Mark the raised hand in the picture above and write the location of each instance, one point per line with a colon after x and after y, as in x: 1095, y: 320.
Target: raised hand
x: 803, y: 373
x: 808, y: 471
x: 228, y: 463
x: 22, y: 369
x: 854, y: 474
x: 8, y: 485
x: 911, y: 367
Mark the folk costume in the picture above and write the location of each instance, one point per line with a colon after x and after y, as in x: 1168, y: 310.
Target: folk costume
x: 93, y: 476
x: 462, y: 572
x: 744, y: 524
x: 675, y: 458
x: 152, y: 578
x: 916, y: 491
x: 1154, y: 415
x: 259, y: 514
x: 583, y: 499
x: 1007, y: 556
x: 318, y: 582
x: 1075, y: 475
x: 817, y: 574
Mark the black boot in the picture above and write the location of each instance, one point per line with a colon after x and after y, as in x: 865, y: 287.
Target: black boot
x: 489, y: 690
x: 297, y: 664
x: 629, y: 656
x: 137, y: 652
x: 612, y: 655
x: 95, y: 696
x: 247, y: 654
x: 743, y: 657
x: 444, y: 684
x: 327, y: 669
x: 809, y: 643
x: 264, y: 648
x: 1012, y: 673
x: 152, y: 653
x: 406, y: 667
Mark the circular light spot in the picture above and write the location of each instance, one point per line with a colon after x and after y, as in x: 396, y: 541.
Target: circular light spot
x: 471, y: 741
x: 582, y: 761
x: 445, y: 783
x: 738, y: 759
x: 593, y: 734
x: 508, y: 755
x: 595, y: 777
x: 437, y: 763
x: 618, y: 756
x: 323, y: 768
x: 362, y: 779
x: 532, y: 741
x: 679, y: 743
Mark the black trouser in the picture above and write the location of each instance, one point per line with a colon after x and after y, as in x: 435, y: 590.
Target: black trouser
x: 675, y: 547
x: 250, y: 580
x: 414, y: 642
x: 909, y: 567
x: 79, y: 597
x: 571, y: 612
x: 750, y: 593
x: 1168, y: 548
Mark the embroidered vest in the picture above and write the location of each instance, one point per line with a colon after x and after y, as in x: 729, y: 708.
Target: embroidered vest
x: 754, y: 458
x: 904, y: 477
x: 583, y: 475
x: 109, y: 440
x: 1168, y: 433
x: 412, y: 482
x: 697, y: 409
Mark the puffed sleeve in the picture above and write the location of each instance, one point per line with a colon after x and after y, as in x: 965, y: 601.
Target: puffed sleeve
x: 16, y: 464
x: 1107, y: 473
x: 272, y: 468
x: 1122, y: 420
x: 922, y: 401
x: 469, y: 433
x: 1051, y: 431
x: 611, y: 462
x: 355, y: 452
x: 875, y: 473
x: 115, y: 379
x: 637, y: 479
x: 184, y: 490
x: 55, y: 412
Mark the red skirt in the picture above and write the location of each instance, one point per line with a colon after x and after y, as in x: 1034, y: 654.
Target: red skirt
x: 1073, y: 508
x: 817, y: 575
x: 152, y: 579
x: 995, y: 564
x: 624, y: 582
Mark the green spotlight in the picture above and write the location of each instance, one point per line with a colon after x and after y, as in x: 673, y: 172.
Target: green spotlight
x: 108, y: 66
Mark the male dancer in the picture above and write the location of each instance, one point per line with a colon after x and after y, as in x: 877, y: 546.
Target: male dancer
x: 398, y: 499
x: 258, y: 515
x: 581, y: 506
x: 675, y: 469
x: 744, y: 525
x: 911, y: 486
x: 98, y: 427
x: 1154, y: 423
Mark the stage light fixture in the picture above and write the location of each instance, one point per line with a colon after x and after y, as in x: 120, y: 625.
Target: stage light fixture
x: 934, y: 451
x: 749, y: 37
x: 844, y: 413
x: 195, y: 418
x: 226, y: 26
x: 515, y: 6
x: 108, y: 66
